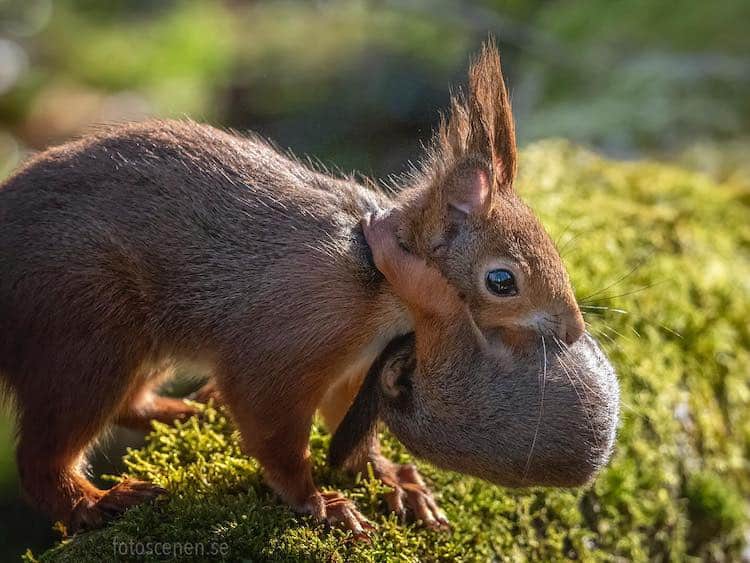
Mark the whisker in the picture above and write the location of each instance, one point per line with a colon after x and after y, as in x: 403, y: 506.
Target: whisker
x: 541, y: 409
x: 590, y: 423
x: 564, y: 232
x: 562, y: 251
x: 637, y: 290
x: 631, y: 409
x: 608, y: 327
x: 605, y: 335
x: 603, y: 308
x: 621, y: 278
x: 574, y: 363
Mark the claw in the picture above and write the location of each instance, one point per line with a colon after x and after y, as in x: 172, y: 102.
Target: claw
x: 89, y: 513
x: 336, y: 510
x: 410, y: 495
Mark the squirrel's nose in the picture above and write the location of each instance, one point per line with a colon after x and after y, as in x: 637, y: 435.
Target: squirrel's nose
x: 572, y: 328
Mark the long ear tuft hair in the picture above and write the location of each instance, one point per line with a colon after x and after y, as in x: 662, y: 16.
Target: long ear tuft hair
x: 480, y: 126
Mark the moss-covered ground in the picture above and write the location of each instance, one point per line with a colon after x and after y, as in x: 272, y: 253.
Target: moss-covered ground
x: 659, y: 259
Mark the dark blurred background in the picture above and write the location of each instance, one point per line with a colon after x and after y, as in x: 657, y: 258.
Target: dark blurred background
x: 359, y: 84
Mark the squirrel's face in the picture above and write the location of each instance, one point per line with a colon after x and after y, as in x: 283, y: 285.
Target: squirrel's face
x: 511, y: 246
x: 499, y: 257
x: 465, y: 217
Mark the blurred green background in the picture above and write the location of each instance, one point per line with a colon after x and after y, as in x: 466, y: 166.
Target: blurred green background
x: 360, y: 84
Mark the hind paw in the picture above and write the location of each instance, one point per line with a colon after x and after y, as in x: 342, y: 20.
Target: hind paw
x: 90, y: 514
x: 409, y: 496
x: 335, y: 509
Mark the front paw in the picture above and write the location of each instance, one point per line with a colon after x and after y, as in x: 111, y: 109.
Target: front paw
x: 335, y: 509
x: 410, y: 496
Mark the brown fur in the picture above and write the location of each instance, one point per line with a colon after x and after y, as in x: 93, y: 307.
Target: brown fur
x: 165, y: 241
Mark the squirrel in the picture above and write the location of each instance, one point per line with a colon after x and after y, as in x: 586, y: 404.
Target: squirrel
x: 141, y: 246
x: 473, y: 401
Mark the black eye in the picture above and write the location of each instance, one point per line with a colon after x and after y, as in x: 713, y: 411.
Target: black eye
x: 502, y: 283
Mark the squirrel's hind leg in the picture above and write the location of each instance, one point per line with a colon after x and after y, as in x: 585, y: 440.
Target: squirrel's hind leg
x: 61, y: 412
x: 144, y: 404
x: 409, y: 495
x: 150, y: 406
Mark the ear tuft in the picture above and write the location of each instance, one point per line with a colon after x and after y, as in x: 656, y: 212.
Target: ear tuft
x: 469, y: 189
x: 489, y: 103
x: 480, y: 125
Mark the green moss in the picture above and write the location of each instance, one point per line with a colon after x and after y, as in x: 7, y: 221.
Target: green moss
x: 714, y: 507
x: 659, y: 258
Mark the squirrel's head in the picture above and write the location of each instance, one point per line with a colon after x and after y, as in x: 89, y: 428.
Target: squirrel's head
x: 464, y: 216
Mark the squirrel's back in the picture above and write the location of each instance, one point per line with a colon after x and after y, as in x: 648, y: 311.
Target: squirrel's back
x: 170, y: 225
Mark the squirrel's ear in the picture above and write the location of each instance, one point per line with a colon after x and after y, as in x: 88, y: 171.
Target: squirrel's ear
x: 475, y: 147
x: 490, y: 114
x: 468, y: 189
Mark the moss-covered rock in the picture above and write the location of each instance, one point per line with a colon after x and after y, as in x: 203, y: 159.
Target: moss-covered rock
x: 659, y: 259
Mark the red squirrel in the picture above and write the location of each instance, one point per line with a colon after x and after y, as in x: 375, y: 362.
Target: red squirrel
x: 145, y: 245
